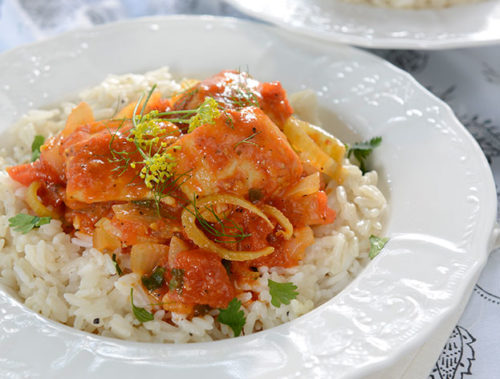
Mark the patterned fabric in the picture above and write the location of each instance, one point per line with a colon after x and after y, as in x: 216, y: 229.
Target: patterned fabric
x: 467, y: 79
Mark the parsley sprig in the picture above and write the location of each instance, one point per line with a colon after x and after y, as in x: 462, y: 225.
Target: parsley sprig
x: 23, y: 223
x: 362, y: 150
x: 35, y: 147
x: 233, y: 316
x: 376, y: 245
x: 140, y: 313
x: 281, y: 293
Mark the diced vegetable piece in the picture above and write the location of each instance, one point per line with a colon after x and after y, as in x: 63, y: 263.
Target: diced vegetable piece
x: 176, y: 246
x: 295, y: 130
x: 205, y: 280
x: 175, y: 306
x: 291, y: 252
x: 145, y: 256
x: 104, y: 241
x: 306, y: 186
x: 81, y: 114
x: 328, y: 143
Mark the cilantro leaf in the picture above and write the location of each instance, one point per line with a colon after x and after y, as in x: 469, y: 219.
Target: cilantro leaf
x: 140, y: 313
x: 155, y: 280
x: 177, y: 280
x: 117, y: 266
x: 23, y: 223
x: 35, y: 147
x: 233, y: 316
x: 376, y: 245
x: 362, y: 150
x: 281, y: 293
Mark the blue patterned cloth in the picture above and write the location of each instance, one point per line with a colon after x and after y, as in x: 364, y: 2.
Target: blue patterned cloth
x: 467, y: 79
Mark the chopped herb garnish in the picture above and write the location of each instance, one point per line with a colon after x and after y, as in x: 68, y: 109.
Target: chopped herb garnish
x: 225, y: 231
x: 362, y: 150
x: 227, y: 266
x: 140, y: 313
x: 254, y: 195
x: 157, y: 163
x: 233, y: 316
x: 117, y: 266
x: 281, y: 293
x: 376, y: 245
x: 247, y: 140
x: 23, y: 223
x: 155, y: 280
x: 35, y: 147
x: 177, y: 280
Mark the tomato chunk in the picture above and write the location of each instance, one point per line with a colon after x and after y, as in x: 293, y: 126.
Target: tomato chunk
x: 306, y: 210
x: 35, y: 171
x: 235, y: 90
x: 205, y: 280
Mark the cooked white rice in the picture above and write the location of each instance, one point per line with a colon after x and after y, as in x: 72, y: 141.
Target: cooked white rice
x: 414, y: 4
x: 65, y: 279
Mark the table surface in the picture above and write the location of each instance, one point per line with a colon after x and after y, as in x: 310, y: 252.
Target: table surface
x: 467, y: 79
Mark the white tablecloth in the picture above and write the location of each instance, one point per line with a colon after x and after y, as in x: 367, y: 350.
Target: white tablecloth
x: 467, y: 79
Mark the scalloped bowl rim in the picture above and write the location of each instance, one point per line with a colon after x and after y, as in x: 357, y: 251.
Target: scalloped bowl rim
x: 481, y: 237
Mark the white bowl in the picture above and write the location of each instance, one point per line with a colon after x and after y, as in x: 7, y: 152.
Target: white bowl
x: 464, y: 25
x: 440, y: 188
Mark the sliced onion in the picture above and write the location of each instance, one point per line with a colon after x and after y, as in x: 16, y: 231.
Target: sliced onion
x: 145, y: 256
x: 34, y: 202
x: 295, y: 130
x: 306, y: 186
x: 176, y: 246
x: 201, y: 240
x: 80, y: 115
x: 282, y: 220
x: 107, y: 225
x: 104, y: 241
x: 328, y: 143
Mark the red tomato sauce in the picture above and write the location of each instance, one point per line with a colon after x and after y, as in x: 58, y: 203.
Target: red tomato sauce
x: 94, y: 176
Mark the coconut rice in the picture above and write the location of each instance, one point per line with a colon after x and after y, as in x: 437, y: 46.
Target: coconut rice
x: 63, y: 278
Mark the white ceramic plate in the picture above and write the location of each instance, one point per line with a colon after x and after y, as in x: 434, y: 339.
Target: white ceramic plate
x: 439, y: 185
x: 365, y: 25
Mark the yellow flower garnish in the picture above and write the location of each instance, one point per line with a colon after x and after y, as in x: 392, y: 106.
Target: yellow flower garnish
x: 157, y: 168
x: 148, y: 130
x: 208, y: 111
